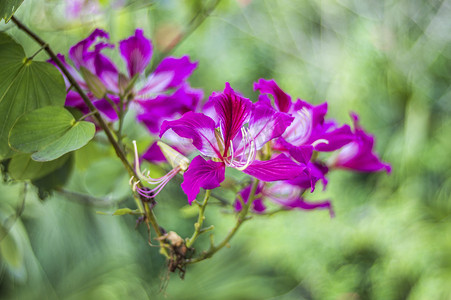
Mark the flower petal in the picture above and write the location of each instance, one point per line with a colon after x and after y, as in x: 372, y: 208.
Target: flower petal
x: 166, y: 107
x: 266, y: 123
x: 181, y: 68
x: 73, y: 99
x: 93, y: 60
x: 281, y: 99
x: 257, y: 204
x: 71, y: 70
x: 106, y: 109
x: 301, y: 203
x: 153, y: 154
x: 358, y: 155
x: 155, y: 83
x: 136, y: 51
x: 77, y: 52
x: 199, y: 128
x: 334, y: 138
x: 279, y: 168
x: 202, y: 174
x: 232, y: 110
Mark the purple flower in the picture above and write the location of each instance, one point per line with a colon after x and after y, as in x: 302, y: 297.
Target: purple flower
x: 93, y: 70
x: 233, y: 141
x: 164, y: 94
x: 282, y: 193
x: 155, y: 105
x: 309, y: 126
x: 358, y: 155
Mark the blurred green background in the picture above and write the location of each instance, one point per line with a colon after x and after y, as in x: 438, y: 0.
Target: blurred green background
x: 389, y: 61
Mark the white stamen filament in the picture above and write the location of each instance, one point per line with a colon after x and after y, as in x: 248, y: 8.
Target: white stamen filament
x: 159, y: 182
x: 248, y: 154
x: 320, y: 141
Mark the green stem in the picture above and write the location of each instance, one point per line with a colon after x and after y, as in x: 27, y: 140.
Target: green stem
x: 242, y: 217
x: 101, y: 122
x: 200, y: 220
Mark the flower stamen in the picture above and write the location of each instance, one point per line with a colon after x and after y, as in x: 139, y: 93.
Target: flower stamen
x: 159, y: 182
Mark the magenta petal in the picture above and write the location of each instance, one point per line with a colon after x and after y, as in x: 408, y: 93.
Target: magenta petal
x: 166, y: 107
x: 202, y: 174
x: 181, y: 68
x: 335, y: 138
x: 232, y: 110
x: 317, y: 112
x: 281, y: 99
x: 136, y: 51
x: 73, y: 99
x: 358, y: 155
x: 279, y: 168
x: 266, y: 123
x: 311, y: 175
x: 154, y: 154
x: 302, y: 154
x: 71, y: 70
x: 257, y: 205
x: 199, y: 128
x: 104, y: 68
x: 77, y: 52
x: 106, y: 109
x: 303, y: 204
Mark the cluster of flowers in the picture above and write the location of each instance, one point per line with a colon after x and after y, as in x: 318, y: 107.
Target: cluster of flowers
x: 275, y: 140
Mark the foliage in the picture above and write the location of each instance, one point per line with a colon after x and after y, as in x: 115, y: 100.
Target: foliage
x: 389, y: 239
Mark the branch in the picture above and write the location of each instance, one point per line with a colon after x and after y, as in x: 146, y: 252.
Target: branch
x: 119, y: 151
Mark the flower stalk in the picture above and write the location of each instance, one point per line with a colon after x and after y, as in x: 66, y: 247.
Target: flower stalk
x: 200, y: 220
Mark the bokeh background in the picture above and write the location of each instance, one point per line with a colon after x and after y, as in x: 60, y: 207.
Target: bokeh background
x: 389, y: 61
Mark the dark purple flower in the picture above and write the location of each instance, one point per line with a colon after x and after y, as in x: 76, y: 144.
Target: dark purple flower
x: 358, y: 155
x: 242, y: 129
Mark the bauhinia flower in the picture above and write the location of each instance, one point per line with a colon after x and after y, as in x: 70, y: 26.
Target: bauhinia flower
x: 162, y: 94
x: 242, y: 129
x: 170, y: 74
x: 94, y: 72
x: 282, y: 193
x: 309, y: 126
x: 358, y: 155
x: 178, y: 162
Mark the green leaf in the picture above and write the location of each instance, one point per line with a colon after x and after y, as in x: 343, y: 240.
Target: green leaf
x: 49, y: 133
x: 24, y: 86
x: 22, y: 167
x: 8, y: 8
x: 56, y: 178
